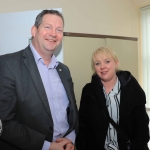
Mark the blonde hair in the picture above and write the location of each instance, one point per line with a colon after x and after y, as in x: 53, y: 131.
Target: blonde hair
x: 104, y: 51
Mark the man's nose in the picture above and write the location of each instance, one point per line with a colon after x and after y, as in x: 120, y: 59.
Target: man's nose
x: 53, y: 33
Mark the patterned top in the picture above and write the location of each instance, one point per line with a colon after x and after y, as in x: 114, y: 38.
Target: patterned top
x: 112, y: 103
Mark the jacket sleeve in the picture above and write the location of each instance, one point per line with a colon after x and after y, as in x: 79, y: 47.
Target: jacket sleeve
x: 14, y: 133
x: 83, y: 122
x: 141, y: 130
x: 140, y: 118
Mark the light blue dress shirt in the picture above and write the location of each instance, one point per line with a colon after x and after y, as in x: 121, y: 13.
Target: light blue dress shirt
x: 57, y: 97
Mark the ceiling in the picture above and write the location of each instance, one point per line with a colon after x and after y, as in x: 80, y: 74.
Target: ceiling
x: 140, y: 3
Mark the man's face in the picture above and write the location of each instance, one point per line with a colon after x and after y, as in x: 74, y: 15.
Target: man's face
x: 49, y: 34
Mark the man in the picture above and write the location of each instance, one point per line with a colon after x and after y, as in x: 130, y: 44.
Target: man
x: 37, y: 102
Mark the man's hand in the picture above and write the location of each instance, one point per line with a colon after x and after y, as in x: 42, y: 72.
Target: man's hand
x: 62, y: 144
x: 68, y: 146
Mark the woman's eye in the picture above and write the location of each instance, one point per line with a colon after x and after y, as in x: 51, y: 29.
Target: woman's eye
x: 107, y: 61
x: 96, y: 64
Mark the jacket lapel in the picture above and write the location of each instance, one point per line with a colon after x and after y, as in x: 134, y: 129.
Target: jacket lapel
x: 71, y: 114
x: 97, y: 87
x: 64, y: 80
x: 33, y: 70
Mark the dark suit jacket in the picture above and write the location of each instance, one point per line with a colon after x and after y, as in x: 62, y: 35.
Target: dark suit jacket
x: 133, y: 119
x: 24, y: 107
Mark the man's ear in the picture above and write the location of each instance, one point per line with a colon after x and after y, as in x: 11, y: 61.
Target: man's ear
x: 33, y: 31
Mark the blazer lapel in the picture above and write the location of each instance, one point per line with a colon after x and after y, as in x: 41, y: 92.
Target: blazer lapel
x: 33, y: 70
x: 72, y: 114
x: 64, y: 81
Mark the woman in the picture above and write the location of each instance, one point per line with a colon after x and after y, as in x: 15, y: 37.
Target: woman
x: 118, y: 94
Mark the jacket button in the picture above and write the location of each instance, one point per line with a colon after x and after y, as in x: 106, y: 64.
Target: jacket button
x: 50, y: 128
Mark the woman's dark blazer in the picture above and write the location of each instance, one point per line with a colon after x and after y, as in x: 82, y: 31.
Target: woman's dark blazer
x: 133, y: 119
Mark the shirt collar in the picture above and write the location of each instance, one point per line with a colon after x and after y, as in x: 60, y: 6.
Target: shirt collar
x: 53, y: 64
x: 116, y: 88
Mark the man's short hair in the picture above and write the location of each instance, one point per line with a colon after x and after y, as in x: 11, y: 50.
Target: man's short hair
x: 39, y: 17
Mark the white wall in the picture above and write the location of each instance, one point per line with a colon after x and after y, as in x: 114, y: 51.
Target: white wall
x: 107, y: 17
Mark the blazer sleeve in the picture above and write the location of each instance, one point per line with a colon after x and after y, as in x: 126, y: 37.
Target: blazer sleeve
x: 14, y: 133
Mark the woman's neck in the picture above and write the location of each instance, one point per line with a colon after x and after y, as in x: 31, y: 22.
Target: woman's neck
x: 109, y: 84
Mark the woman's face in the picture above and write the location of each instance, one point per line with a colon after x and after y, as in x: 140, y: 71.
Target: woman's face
x: 105, y: 67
